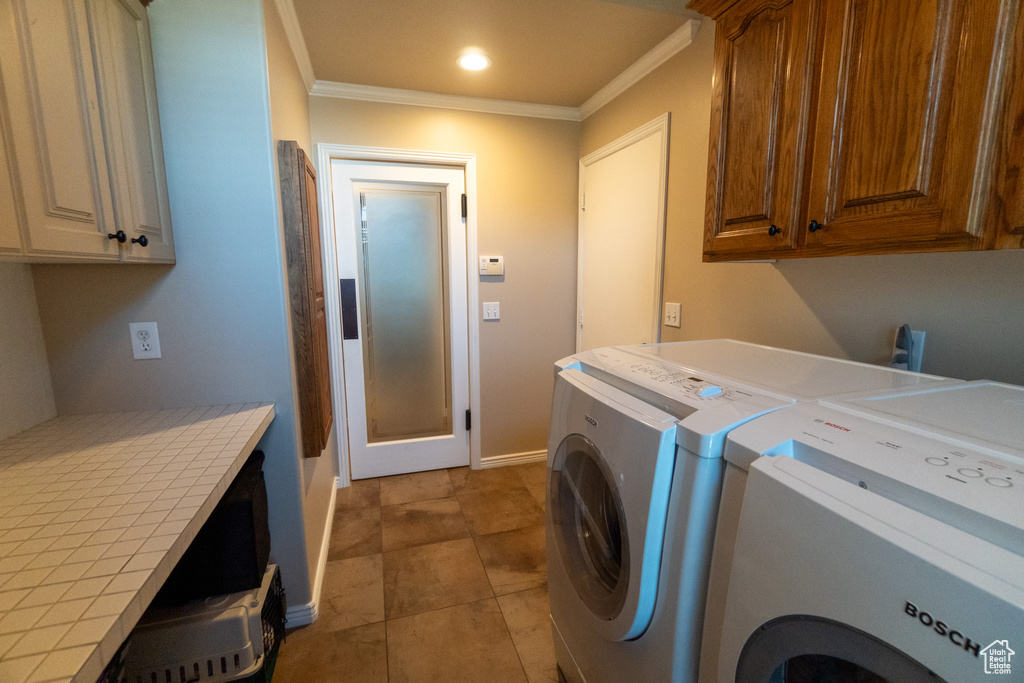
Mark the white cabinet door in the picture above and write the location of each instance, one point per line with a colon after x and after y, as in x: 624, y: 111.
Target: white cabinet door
x: 80, y: 98
x: 10, y: 226
x: 55, y: 125
x: 124, y: 74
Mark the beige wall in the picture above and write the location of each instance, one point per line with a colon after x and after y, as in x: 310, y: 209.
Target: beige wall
x: 289, y: 119
x: 970, y: 304
x: 526, y: 210
x: 26, y: 395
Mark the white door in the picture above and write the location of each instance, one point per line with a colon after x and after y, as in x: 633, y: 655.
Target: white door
x: 621, y: 239
x: 402, y: 254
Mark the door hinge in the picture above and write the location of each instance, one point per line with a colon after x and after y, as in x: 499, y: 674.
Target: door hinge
x: 469, y: 420
x: 583, y: 202
x: 465, y: 206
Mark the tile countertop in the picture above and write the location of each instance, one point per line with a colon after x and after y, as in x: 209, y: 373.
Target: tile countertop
x: 95, y: 511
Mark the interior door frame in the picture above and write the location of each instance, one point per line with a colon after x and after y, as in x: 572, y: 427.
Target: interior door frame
x: 325, y: 153
x: 659, y: 126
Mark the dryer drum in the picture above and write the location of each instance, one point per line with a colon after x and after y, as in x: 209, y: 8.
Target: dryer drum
x: 590, y: 526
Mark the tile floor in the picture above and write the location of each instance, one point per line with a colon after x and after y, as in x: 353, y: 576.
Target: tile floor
x: 434, y: 576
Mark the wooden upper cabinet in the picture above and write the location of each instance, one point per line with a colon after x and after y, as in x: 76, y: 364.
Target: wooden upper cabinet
x: 863, y: 126
x: 1005, y: 219
x: 124, y: 67
x: 85, y: 153
x: 760, y: 102
x: 299, y: 209
x: 904, y: 127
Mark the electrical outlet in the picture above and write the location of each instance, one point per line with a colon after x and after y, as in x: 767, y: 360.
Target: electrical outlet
x: 492, y: 310
x: 145, y: 340
x: 673, y: 315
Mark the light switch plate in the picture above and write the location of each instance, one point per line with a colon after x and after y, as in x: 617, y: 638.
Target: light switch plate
x: 145, y: 341
x: 673, y: 315
x: 492, y: 310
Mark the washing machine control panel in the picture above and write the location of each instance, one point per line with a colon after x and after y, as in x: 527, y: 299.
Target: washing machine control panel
x: 672, y: 381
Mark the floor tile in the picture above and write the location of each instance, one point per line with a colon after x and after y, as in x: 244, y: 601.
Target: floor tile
x: 527, y: 615
x: 514, y: 560
x: 352, y: 594
x: 358, y: 655
x: 422, y: 522
x: 491, y: 479
x: 488, y: 511
x: 407, y: 488
x: 463, y: 643
x: 361, y: 493
x: 354, y: 533
x: 534, y: 477
x: 429, y: 577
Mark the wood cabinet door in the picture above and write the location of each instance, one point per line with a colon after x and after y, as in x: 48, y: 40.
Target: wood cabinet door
x: 299, y: 209
x: 908, y: 96
x: 125, y: 79
x: 764, y: 52
x: 50, y: 97
x: 1006, y: 215
x: 321, y: 361
x: 10, y: 216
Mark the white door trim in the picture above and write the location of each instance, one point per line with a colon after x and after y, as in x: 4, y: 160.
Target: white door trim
x: 658, y: 126
x: 325, y: 152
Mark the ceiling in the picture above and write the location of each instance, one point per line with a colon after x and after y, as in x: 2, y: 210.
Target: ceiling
x: 552, y: 52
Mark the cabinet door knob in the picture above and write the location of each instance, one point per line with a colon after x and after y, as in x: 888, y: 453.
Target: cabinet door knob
x: 815, y: 226
x: 141, y: 241
x: 120, y: 236
x: 773, y: 231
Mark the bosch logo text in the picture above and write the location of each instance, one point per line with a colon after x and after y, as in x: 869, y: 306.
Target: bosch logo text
x: 835, y: 426
x: 943, y: 629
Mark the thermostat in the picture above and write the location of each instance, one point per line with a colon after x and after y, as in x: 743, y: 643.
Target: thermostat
x: 492, y: 265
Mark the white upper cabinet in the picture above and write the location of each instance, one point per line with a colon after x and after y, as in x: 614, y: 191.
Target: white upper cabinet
x: 85, y: 154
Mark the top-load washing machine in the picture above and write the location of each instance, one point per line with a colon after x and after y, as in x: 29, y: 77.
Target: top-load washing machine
x: 887, y: 545
x: 634, y: 478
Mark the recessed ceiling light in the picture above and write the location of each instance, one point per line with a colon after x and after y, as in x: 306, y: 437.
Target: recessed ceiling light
x: 474, y: 60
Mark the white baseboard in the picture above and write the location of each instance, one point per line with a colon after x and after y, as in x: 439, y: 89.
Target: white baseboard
x: 301, y: 615
x: 513, y: 459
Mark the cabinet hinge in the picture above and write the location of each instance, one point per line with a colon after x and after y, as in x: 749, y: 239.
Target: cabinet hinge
x: 469, y: 420
x: 465, y: 206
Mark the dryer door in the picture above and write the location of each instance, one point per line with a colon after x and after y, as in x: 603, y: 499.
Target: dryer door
x: 809, y: 649
x: 610, y: 460
x: 590, y: 526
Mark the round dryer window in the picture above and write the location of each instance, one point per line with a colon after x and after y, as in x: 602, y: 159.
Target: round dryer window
x: 589, y: 526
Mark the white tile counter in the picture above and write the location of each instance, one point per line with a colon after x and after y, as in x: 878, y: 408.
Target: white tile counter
x: 95, y: 511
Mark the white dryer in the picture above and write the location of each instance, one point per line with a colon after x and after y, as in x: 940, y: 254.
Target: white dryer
x: 887, y: 546
x: 634, y: 478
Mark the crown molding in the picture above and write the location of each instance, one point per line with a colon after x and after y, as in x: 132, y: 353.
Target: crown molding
x: 368, y: 93
x: 286, y: 10
x: 660, y: 54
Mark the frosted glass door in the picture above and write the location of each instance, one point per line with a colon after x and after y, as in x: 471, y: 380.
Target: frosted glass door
x: 403, y: 273
x: 402, y: 244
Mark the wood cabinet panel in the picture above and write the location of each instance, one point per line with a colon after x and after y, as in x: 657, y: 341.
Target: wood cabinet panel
x: 901, y: 123
x: 132, y: 126
x: 10, y: 214
x: 759, y: 124
x: 299, y: 209
x: 1006, y: 217
x: 55, y: 120
x: 864, y: 126
x: 86, y: 153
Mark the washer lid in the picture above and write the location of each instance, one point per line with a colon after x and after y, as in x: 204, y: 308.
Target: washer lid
x: 715, y: 386
x: 791, y: 374
x: 987, y: 412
